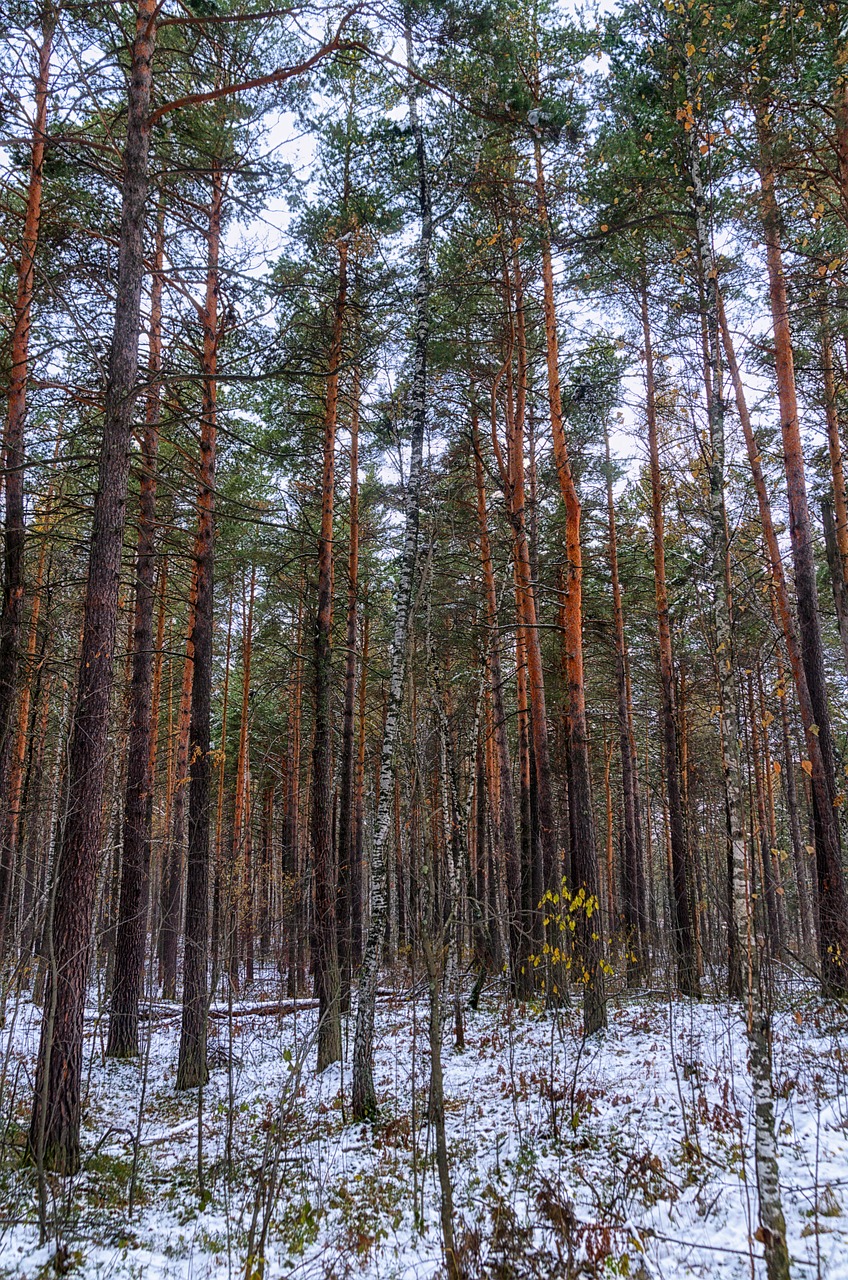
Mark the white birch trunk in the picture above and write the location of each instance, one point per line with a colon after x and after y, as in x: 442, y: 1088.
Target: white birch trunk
x: 364, y: 1099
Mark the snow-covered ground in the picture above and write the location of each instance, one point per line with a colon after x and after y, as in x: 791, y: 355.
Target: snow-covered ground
x: 629, y: 1155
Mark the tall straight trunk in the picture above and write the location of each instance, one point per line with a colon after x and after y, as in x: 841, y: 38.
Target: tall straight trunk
x: 633, y: 870
x: 13, y: 466
x: 771, y: 1216
x: 584, y: 858
x: 692, y: 851
x: 27, y: 763
x: 771, y: 820
x: 346, y: 832
x: 364, y: 1099
x: 434, y: 946
x: 217, y: 891
x: 499, y: 898
x: 356, y: 878
x: 773, y: 1224
x: 247, y: 897
x: 532, y: 887
x: 833, y: 900
x: 154, y: 869
x: 827, y: 836
x: 15, y: 803
x: 54, y: 1128
x: 682, y: 929
x: 721, y: 575
x: 834, y: 564
x: 799, y: 855
x: 326, y: 957
x: 35, y: 837
x: 609, y: 841
x: 266, y: 872
x: 835, y: 518
x: 453, y: 839
x: 191, y: 1067
x: 506, y: 841
x: 831, y: 896
x: 172, y: 871
x: 291, y: 841
x: 138, y: 801
x: 538, y: 850
x: 240, y: 886
x: 526, y: 595
x: 761, y: 840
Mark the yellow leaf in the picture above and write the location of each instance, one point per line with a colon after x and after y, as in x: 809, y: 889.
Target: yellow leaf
x: 690, y: 50
x: 807, y: 766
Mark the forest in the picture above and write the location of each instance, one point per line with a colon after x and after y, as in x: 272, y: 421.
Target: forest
x: 424, y: 639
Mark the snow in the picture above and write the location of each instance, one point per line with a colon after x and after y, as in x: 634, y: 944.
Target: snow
x: 627, y: 1155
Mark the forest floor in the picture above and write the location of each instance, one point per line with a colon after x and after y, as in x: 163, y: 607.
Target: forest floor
x: 627, y: 1155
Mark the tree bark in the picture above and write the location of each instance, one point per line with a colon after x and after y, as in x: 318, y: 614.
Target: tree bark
x: 221, y: 876
x: 633, y: 877
x: 13, y: 468
x: 683, y: 934
x: 23, y: 756
x: 526, y: 595
x: 584, y: 857
x: 191, y: 1067
x: 54, y: 1128
x: 834, y: 564
x: 833, y: 900
x: 760, y: 829
x: 728, y: 696
x: 172, y: 872
x: 240, y: 932
x: 828, y: 841
x: 346, y: 833
x: 364, y: 1099
x: 291, y: 826
x: 506, y: 841
x: 138, y: 802
x: 326, y: 957
x: 836, y: 529
x: 356, y: 877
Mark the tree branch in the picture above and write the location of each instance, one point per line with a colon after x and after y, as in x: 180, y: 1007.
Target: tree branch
x: 261, y: 82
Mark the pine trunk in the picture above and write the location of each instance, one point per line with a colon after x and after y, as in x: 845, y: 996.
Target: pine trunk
x: 682, y: 926
x: 508, y: 852
x: 191, y: 1067
x: 803, y: 639
x: 833, y: 900
x: 240, y: 879
x: 584, y: 859
x: 633, y: 869
x: 356, y: 877
x: 54, y: 1129
x: 346, y: 832
x: 172, y: 871
x: 13, y: 472
x: 138, y: 802
x: 326, y: 958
